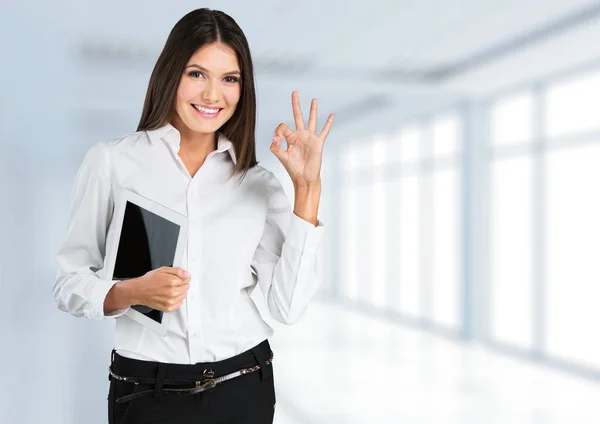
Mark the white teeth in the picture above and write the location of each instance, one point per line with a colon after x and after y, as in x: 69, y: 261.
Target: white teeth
x: 206, y: 110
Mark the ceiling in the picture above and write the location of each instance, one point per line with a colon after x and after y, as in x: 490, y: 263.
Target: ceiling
x: 358, y: 59
x: 387, y: 40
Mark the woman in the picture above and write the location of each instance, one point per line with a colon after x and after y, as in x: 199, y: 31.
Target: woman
x: 196, y: 132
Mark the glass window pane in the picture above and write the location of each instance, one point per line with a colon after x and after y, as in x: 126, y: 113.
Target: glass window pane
x: 410, y: 141
x: 572, y: 106
x: 378, y: 240
x: 379, y: 151
x: 364, y: 230
x: 446, y: 134
x: 447, y: 246
x: 410, y: 246
x: 511, y: 252
x: 392, y: 243
x: 511, y: 120
x: 349, y: 242
x: 573, y: 249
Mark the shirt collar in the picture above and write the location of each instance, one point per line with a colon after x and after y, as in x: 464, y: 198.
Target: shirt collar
x: 170, y: 135
x: 223, y: 144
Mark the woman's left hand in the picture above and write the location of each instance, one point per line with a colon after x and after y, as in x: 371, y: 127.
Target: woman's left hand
x: 304, y: 154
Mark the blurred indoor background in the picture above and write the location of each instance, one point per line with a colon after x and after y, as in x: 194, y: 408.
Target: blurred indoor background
x: 460, y: 277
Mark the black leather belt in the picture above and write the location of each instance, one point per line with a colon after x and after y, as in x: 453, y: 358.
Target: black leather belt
x: 208, y: 382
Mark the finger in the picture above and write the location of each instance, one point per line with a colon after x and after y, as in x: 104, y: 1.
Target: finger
x: 283, y: 130
x: 179, y: 272
x: 312, y: 118
x: 298, y: 118
x: 327, y: 127
x: 277, y: 149
x: 179, y: 299
x: 175, y: 281
x: 173, y: 304
x: 175, y: 294
x: 179, y: 289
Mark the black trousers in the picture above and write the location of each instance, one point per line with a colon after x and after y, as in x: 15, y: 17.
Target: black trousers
x: 247, y: 399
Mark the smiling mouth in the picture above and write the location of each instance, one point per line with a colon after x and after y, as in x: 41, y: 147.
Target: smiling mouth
x: 207, y: 112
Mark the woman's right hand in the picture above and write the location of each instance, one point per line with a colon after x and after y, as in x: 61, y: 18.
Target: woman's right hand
x: 163, y: 288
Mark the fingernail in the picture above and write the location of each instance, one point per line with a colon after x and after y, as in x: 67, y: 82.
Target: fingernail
x: 186, y: 274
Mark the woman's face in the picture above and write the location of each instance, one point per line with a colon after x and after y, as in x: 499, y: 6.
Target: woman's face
x: 209, y: 89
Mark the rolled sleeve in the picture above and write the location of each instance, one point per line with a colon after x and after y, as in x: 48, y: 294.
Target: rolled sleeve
x: 304, y: 236
x: 287, y: 258
x: 100, y: 289
x: 78, y: 290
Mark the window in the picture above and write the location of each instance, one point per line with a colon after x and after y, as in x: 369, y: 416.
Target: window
x: 573, y: 246
x: 349, y: 266
x: 544, y: 227
x: 446, y: 228
x: 446, y: 135
x: 511, y: 262
x: 572, y: 106
x: 410, y: 143
x: 511, y: 284
x: 512, y: 120
x: 409, y: 258
x: 386, y: 220
x: 445, y: 266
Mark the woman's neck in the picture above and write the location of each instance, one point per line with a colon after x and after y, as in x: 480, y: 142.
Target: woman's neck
x: 194, y: 147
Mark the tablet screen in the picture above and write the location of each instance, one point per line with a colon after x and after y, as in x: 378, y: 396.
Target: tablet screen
x: 147, y: 242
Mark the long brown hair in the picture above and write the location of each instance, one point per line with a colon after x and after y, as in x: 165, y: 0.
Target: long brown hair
x: 194, y: 30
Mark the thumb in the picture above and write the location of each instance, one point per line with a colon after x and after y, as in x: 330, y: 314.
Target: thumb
x: 277, y: 149
x: 181, y: 273
x: 283, y: 130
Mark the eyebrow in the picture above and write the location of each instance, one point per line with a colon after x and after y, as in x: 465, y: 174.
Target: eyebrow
x: 208, y: 72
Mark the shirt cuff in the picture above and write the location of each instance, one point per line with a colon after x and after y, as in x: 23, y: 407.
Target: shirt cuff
x: 303, y: 235
x: 99, y: 292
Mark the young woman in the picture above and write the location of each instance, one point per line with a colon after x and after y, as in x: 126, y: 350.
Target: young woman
x: 197, y: 131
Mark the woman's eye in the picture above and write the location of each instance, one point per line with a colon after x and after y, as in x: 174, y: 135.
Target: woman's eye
x: 195, y: 74
x: 231, y: 79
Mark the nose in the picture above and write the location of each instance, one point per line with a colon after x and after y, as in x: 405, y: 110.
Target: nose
x: 211, y: 92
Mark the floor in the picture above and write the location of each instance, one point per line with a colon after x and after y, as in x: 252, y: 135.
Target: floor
x: 339, y: 366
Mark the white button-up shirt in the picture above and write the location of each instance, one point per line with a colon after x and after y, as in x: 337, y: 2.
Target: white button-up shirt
x: 234, y: 229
